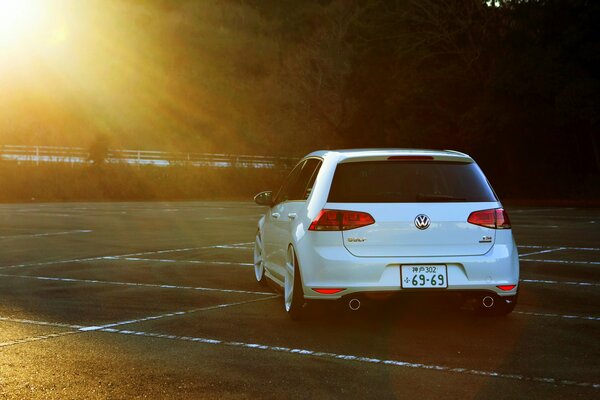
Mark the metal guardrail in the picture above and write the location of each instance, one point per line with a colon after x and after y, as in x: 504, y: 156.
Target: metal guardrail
x: 78, y: 155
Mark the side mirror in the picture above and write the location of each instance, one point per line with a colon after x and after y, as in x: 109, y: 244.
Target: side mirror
x: 264, y: 198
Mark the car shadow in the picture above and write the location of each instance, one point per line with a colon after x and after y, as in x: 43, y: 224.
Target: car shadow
x: 408, y: 311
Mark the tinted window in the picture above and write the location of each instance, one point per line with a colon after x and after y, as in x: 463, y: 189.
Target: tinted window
x: 312, y: 180
x: 409, y: 182
x: 303, y: 186
x: 288, y: 184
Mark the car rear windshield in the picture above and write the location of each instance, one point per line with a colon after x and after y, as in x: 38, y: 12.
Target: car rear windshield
x: 409, y: 182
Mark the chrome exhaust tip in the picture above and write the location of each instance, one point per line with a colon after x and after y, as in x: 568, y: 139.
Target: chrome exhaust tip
x: 354, y: 304
x: 488, y: 301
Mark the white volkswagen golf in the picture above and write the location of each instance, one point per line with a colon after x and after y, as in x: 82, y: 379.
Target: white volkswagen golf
x: 350, y: 224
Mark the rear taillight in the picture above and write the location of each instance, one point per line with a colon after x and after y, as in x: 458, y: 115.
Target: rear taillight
x: 506, y: 288
x: 328, y: 290
x: 495, y: 218
x: 340, y: 220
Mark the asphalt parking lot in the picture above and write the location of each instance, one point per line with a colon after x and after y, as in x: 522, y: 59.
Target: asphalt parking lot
x: 158, y: 300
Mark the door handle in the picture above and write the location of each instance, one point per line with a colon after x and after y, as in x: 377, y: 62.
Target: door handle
x: 292, y: 215
x: 275, y: 215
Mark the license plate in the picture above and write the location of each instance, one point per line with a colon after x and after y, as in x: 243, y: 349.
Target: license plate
x: 424, y: 276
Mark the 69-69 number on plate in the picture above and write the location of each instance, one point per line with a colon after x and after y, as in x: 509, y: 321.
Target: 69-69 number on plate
x: 424, y: 276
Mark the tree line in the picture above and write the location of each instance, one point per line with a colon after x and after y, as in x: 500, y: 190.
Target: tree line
x: 514, y: 83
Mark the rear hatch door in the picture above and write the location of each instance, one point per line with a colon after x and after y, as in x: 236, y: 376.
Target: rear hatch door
x: 420, y: 207
x: 395, y: 232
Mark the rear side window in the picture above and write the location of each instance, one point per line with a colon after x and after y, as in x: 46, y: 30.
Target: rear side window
x: 409, y: 182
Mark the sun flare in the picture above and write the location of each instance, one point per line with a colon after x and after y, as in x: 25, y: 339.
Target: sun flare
x: 20, y: 21
x: 27, y: 25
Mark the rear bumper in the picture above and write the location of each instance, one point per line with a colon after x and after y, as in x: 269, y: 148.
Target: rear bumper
x: 438, y: 296
x: 334, y: 267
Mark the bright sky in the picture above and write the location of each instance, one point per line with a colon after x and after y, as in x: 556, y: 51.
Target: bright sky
x: 29, y: 26
x: 70, y: 69
x: 65, y: 64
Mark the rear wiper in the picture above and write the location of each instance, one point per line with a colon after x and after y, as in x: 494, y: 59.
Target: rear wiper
x: 438, y: 197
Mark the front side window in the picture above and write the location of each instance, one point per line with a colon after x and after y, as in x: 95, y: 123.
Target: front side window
x: 306, y: 180
x: 289, y: 183
x: 298, y: 184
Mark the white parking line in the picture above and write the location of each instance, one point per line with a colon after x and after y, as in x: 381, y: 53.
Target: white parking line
x: 48, y: 214
x: 145, y: 253
x: 173, y: 314
x: 110, y: 327
x: 182, y: 261
x: 47, y: 234
x: 541, y: 252
x: 51, y: 262
x: 245, y: 246
x: 111, y: 257
x: 360, y: 359
x: 546, y: 249
x: 44, y: 323
x: 560, y: 282
x: 181, y: 249
x: 553, y: 315
x: 35, y: 338
x: 561, y: 261
x: 561, y: 247
x: 135, y: 284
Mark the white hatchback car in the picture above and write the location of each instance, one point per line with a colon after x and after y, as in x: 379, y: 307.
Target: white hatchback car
x: 350, y: 224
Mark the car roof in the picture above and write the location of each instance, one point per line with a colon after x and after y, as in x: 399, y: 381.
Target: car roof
x: 383, y: 153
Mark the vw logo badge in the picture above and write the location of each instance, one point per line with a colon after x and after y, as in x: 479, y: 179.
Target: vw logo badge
x: 422, y: 221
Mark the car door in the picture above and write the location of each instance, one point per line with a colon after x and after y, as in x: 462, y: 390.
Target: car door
x: 286, y: 212
x: 274, y: 224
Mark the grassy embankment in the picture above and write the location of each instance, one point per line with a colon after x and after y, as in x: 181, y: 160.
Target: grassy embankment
x: 22, y: 183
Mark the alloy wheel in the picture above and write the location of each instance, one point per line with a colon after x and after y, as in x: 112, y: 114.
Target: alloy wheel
x: 259, y: 265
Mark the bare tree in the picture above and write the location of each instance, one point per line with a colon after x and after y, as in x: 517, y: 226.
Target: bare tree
x: 317, y: 72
